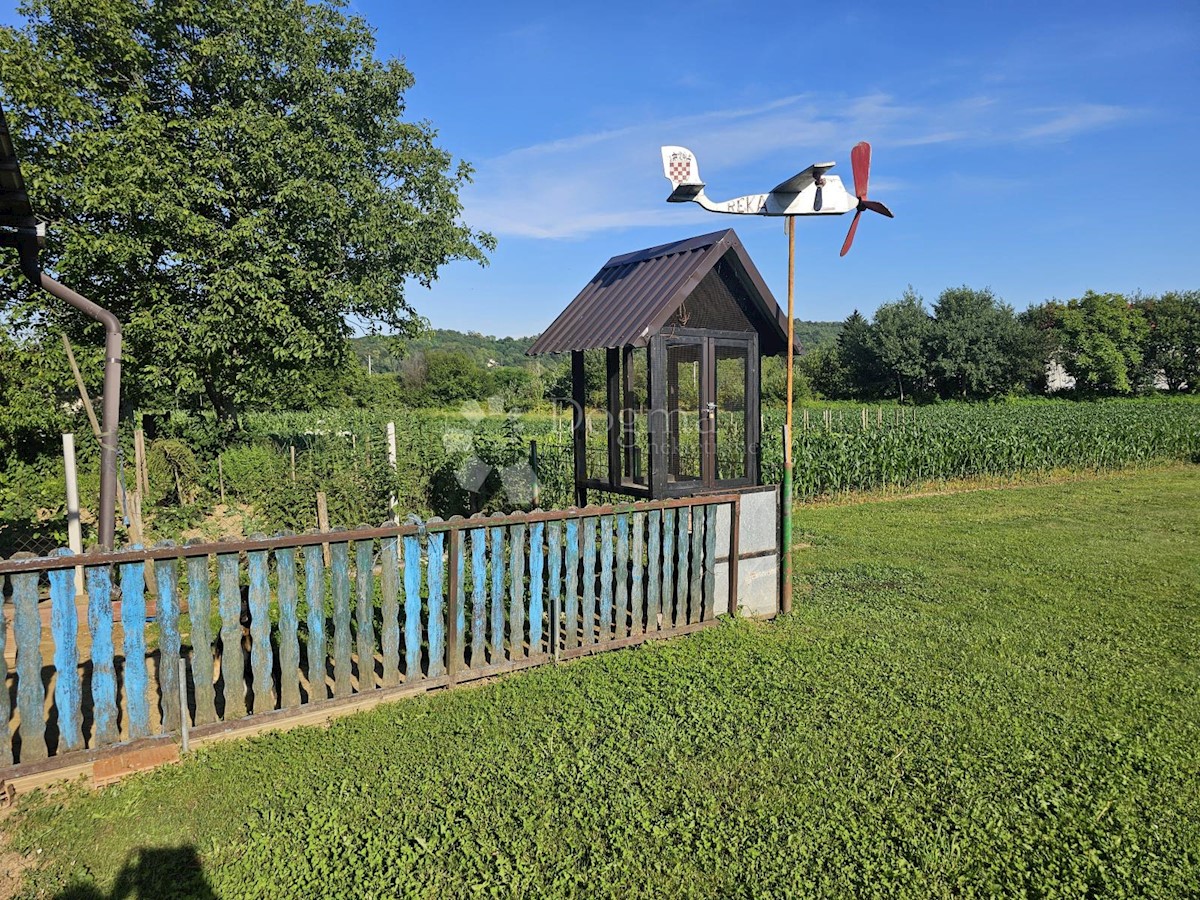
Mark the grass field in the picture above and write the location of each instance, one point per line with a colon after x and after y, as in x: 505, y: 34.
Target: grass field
x: 980, y: 694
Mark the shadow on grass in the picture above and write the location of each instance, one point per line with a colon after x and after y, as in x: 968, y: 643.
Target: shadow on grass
x: 152, y: 873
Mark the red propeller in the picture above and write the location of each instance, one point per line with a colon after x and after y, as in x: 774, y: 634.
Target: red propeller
x: 860, y: 161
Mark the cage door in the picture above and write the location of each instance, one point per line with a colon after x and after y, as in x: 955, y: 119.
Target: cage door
x: 686, y: 410
x: 733, y: 441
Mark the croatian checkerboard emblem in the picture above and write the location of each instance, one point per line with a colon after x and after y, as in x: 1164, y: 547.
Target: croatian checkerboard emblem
x: 680, y: 167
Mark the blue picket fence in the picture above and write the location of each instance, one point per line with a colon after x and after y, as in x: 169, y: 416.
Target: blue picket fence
x: 273, y: 626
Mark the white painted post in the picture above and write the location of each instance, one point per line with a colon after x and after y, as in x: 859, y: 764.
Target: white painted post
x: 74, y: 529
x: 391, y: 452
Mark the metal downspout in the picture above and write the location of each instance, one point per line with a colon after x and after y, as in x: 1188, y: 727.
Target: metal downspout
x: 112, y: 383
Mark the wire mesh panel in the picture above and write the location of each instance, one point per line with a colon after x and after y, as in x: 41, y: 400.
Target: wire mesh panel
x: 684, y: 387
x: 732, y: 364
x: 635, y: 413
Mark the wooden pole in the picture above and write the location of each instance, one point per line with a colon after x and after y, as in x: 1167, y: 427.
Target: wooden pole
x: 139, y: 463
x: 533, y: 467
x: 785, y: 598
x: 83, y: 394
x: 137, y: 534
x: 292, y: 447
x: 579, y: 425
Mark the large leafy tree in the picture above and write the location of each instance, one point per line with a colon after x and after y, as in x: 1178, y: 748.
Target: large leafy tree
x: 235, y: 179
x: 1173, y: 341
x: 899, y: 331
x: 1102, y: 337
x: 977, y: 347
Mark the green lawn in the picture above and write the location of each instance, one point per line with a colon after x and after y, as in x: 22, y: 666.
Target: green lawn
x: 980, y: 694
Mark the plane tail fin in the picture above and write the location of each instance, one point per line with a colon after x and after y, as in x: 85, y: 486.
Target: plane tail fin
x: 680, y: 168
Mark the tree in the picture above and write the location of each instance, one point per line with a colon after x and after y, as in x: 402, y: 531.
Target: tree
x: 1173, y: 342
x: 773, y: 378
x: 859, y: 363
x: 38, y: 398
x: 452, y: 376
x: 898, y: 334
x: 1102, y: 336
x: 234, y: 179
x: 977, y: 348
x: 822, y: 373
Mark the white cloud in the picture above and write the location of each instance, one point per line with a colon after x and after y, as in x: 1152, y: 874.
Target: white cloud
x: 1066, y: 123
x: 610, y: 179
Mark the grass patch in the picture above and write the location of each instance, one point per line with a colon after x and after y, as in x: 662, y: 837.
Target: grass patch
x: 980, y: 694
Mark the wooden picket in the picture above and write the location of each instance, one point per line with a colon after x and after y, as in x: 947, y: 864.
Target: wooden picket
x: 395, y: 607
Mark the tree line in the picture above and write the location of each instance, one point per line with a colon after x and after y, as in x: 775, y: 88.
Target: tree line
x: 971, y: 345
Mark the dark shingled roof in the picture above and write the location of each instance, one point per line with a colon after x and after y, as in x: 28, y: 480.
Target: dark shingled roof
x: 15, y: 211
x: 633, y: 296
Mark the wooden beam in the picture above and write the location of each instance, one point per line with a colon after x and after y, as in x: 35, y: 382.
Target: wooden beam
x: 612, y: 362
x: 657, y: 426
x: 753, y: 411
x: 627, y: 403
x: 579, y: 424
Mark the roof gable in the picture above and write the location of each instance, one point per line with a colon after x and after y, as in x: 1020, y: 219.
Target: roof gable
x: 635, y: 295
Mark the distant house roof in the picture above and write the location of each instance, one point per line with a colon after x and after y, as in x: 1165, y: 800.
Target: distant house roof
x: 635, y: 295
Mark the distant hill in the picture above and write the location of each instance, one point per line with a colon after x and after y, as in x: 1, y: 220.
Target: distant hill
x: 385, y: 352
x: 810, y: 335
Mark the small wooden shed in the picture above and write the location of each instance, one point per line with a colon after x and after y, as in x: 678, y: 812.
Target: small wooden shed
x: 683, y: 327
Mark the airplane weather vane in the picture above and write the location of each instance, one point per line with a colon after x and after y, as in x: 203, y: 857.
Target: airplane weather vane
x: 807, y: 193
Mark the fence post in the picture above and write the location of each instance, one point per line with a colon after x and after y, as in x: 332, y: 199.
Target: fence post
x: 454, y: 649
x: 74, y: 530
x: 735, y: 527
x: 137, y: 535
x: 533, y: 467
x: 391, y: 455
x: 183, y: 705
x: 323, y: 522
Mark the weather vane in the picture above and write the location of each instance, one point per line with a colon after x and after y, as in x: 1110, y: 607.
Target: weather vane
x: 810, y: 192
x: 807, y: 193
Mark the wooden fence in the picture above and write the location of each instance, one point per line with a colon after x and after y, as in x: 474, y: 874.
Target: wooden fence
x: 270, y: 627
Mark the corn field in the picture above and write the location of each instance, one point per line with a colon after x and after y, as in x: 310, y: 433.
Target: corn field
x: 837, y: 448
x: 853, y: 449
x: 462, y: 461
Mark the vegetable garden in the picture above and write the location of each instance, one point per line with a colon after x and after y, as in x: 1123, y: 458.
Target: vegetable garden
x: 342, y: 453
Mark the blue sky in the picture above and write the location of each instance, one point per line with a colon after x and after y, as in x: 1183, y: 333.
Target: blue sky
x: 1040, y: 149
